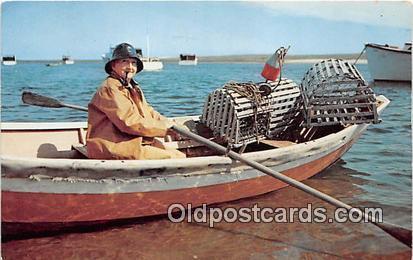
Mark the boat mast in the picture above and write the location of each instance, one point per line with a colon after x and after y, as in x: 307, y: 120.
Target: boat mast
x: 147, y: 45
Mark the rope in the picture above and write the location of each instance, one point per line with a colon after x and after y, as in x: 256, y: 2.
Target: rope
x: 251, y: 91
x: 359, y: 55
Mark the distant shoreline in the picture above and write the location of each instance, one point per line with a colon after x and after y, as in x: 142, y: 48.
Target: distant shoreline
x: 261, y: 58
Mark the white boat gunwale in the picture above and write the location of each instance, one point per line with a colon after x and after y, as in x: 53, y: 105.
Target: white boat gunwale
x: 226, y: 174
x: 387, y: 48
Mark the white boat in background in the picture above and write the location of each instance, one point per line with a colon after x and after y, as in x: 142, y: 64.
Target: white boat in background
x: 107, y: 56
x: 53, y: 64
x: 149, y: 63
x: 9, y: 60
x: 389, y: 63
x: 67, y: 60
x: 188, y: 59
x: 152, y: 63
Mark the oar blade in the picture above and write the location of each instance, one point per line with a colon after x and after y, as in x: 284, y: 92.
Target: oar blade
x: 402, y: 234
x: 39, y: 100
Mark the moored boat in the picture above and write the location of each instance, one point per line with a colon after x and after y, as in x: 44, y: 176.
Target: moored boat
x: 188, y: 59
x: 53, y: 64
x: 149, y: 63
x: 106, y: 57
x: 389, y: 63
x: 67, y: 60
x: 44, y: 180
x: 9, y: 60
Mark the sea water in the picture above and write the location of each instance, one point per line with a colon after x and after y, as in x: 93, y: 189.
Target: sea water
x: 375, y: 172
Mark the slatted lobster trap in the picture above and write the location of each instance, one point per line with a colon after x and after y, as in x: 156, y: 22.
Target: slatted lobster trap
x: 334, y: 92
x: 243, y: 113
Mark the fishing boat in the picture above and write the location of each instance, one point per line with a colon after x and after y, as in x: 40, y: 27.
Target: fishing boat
x: 389, y: 63
x: 188, y: 59
x: 67, y: 60
x: 46, y: 178
x: 106, y: 57
x: 53, y: 64
x: 9, y: 60
x: 149, y: 63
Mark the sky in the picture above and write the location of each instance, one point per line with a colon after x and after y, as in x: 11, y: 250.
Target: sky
x: 85, y: 30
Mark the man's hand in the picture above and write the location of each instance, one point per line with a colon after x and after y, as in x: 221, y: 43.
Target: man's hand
x: 176, y: 136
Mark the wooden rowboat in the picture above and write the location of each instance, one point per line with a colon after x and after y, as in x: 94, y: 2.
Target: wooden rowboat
x: 44, y: 180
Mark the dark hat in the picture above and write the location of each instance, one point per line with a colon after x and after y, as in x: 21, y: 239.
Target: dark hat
x: 124, y: 51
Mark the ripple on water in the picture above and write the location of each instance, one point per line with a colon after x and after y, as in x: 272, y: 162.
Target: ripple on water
x: 380, y: 130
x: 407, y: 126
x: 391, y: 153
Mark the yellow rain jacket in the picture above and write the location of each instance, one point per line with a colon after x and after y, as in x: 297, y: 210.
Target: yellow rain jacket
x: 120, y: 121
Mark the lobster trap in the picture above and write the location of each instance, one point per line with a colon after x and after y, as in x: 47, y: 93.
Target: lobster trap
x: 243, y: 113
x: 334, y: 92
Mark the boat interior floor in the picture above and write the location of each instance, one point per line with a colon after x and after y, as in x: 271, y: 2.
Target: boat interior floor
x: 290, y: 136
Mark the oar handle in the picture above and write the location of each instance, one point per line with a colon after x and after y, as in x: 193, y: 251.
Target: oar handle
x: 81, y: 108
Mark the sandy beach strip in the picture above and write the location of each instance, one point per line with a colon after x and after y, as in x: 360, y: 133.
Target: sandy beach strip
x: 251, y: 58
x: 262, y: 58
x: 359, y: 61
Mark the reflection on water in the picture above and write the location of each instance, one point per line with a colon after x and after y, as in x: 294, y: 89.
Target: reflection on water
x: 160, y: 238
x: 391, y: 84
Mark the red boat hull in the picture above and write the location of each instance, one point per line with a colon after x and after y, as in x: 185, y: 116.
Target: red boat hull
x: 47, y: 207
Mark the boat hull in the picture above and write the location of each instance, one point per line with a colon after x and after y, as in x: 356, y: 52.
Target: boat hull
x: 188, y: 62
x: 389, y: 64
x: 9, y: 63
x: 53, y: 207
x: 152, y: 65
x: 46, y: 191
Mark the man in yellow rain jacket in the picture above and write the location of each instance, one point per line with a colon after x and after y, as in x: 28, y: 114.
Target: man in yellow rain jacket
x: 120, y: 121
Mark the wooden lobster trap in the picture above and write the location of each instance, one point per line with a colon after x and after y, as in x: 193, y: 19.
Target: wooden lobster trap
x: 241, y: 113
x: 334, y: 92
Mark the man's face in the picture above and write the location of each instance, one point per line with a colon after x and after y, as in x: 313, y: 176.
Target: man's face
x: 125, y: 67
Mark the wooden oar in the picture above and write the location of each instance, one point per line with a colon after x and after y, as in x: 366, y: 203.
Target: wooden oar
x: 402, y: 234
x: 43, y: 101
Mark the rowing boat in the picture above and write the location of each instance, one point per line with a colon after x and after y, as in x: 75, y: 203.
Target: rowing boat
x: 46, y: 180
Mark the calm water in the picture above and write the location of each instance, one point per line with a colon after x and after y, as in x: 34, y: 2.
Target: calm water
x: 375, y: 172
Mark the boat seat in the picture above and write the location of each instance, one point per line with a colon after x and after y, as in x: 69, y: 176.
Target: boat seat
x: 158, y: 142
x: 81, y: 148
x: 161, y: 143
x: 278, y: 143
